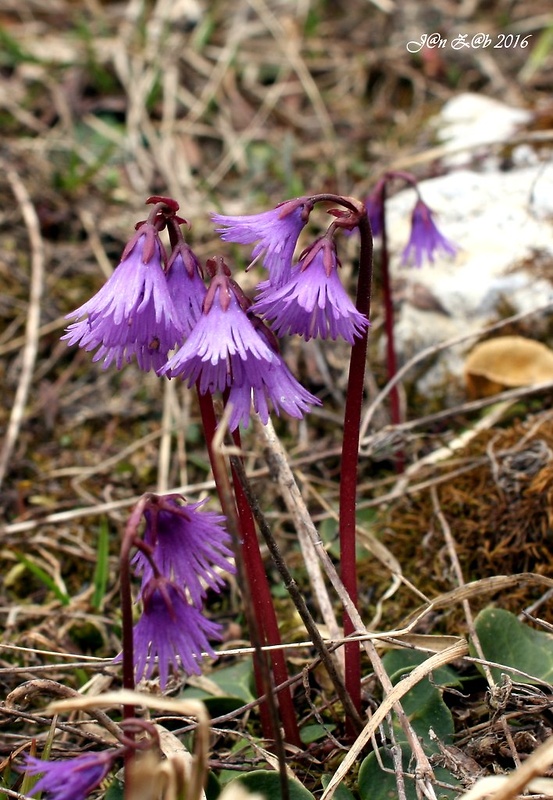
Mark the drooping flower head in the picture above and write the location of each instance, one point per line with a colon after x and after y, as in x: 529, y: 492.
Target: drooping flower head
x: 132, y: 316
x: 276, y: 388
x: 313, y: 302
x: 70, y: 779
x: 425, y: 239
x: 226, y: 352
x: 171, y: 632
x: 185, y: 282
x: 188, y: 545
x: 223, y: 346
x: 275, y: 234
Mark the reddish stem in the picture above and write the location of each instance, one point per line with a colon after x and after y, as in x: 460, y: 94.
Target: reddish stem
x: 209, y: 423
x: 391, y: 359
x: 263, y: 606
x: 264, y: 613
x: 129, y: 537
x: 350, y: 452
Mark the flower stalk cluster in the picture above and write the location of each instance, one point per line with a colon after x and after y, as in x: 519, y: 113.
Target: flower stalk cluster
x: 168, y: 313
x: 158, y: 310
x: 156, y: 303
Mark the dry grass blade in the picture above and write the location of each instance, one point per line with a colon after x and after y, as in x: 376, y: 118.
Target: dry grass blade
x: 392, y: 698
x: 42, y: 687
x: 307, y: 534
x: 290, y: 45
x: 450, y: 545
x: 276, y: 457
x: 30, y: 348
x: 522, y: 780
x: 496, y: 583
x: 95, y: 510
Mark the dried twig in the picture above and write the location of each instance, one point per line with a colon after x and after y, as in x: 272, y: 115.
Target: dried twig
x: 451, y: 549
x: 507, y: 787
x: 307, y: 534
x: 392, y: 701
x: 289, y: 489
x: 30, y: 348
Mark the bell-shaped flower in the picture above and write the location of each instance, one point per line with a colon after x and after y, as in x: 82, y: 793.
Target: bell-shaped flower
x: 186, y: 286
x: 171, y: 633
x: 133, y: 315
x: 374, y: 203
x: 225, y: 351
x: 188, y: 546
x: 425, y: 239
x: 313, y: 302
x: 70, y: 779
x: 275, y: 234
x: 276, y: 388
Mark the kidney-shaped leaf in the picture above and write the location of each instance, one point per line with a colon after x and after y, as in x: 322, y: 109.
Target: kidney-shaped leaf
x: 510, y: 642
x: 375, y: 784
x: 266, y: 783
x: 423, y: 704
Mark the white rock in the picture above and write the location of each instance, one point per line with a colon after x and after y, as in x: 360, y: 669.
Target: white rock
x: 470, y: 122
x: 500, y: 221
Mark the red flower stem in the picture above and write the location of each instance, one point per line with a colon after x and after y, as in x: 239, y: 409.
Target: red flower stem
x: 263, y: 605
x: 129, y: 538
x: 228, y: 505
x: 350, y: 442
x: 350, y: 455
x: 255, y: 589
x: 391, y: 360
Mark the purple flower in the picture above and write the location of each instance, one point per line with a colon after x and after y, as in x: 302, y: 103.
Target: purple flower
x: 171, y: 630
x: 226, y: 351
x: 425, y: 239
x: 223, y: 347
x: 313, y: 302
x: 276, y: 387
x: 186, y: 286
x: 275, y: 233
x: 71, y: 779
x: 187, y: 545
x: 132, y: 315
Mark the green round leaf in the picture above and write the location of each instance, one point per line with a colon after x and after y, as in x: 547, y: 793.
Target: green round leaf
x: 399, y: 662
x: 315, y: 732
x: 506, y: 640
x: 375, y: 784
x: 231, y: 689
x: 267, y: 783
x: 423, y: 704
x: 341, y: 792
